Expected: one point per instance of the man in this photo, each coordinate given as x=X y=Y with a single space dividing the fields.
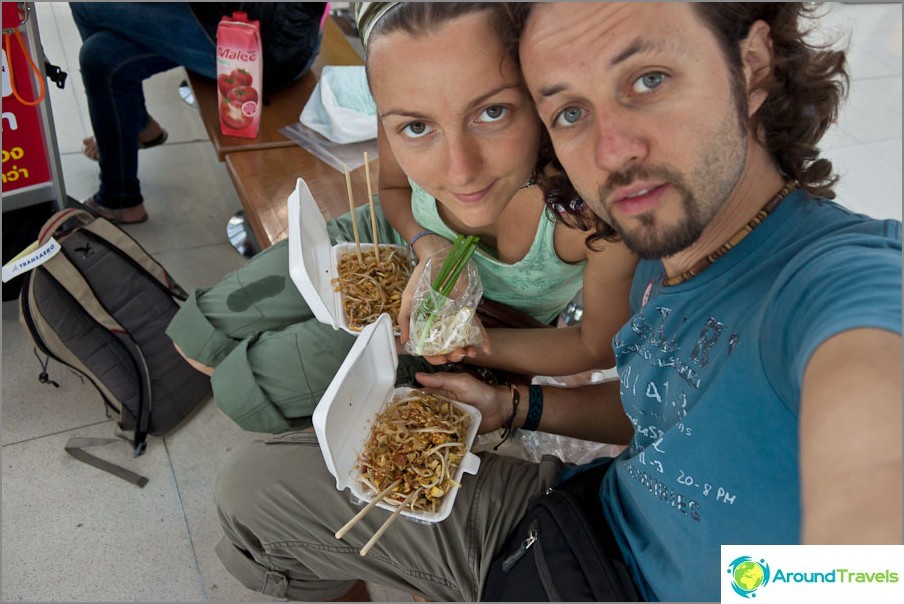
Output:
x=677 y=125
x=761 y=370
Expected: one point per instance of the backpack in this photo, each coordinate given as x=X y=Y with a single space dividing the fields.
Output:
x=100 y=306
x=561 y=550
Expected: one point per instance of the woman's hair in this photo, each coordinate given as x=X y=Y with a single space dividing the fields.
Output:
x=804 y=93
x=421 y=18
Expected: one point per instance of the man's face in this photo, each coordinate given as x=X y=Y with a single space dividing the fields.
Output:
x=642 y=110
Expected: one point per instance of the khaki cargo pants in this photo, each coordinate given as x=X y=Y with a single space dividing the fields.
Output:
x=279 y=508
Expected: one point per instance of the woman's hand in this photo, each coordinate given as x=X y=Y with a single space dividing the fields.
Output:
x=407 y=298
x=493 y=402
x=459 y=354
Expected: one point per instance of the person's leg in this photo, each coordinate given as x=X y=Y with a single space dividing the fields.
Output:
x=113 y=69
x=169 y=29
x=272 y=360
x=279 y=509
x=123 y=44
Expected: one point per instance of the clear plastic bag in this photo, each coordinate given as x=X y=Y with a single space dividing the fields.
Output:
x=441 y=324
x=533 y=445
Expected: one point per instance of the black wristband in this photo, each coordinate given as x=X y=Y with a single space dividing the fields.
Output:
x=535 y=408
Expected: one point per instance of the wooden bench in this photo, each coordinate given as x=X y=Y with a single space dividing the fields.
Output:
x=264 y=169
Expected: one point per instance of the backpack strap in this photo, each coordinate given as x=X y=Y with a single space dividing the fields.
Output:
x=55 y=223
x=76 y=447
x=67 y=275
x=117 y=238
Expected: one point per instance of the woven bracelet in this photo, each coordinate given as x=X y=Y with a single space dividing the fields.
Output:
x=507 y=428
x=535 y=408
x=418 y=236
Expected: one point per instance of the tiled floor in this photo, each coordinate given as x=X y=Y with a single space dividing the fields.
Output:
x=72 y=533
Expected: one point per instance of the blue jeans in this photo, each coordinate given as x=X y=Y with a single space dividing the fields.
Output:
x=123 y=44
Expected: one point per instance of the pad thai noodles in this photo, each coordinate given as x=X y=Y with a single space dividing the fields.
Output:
x=419 y=440
x=372 y=288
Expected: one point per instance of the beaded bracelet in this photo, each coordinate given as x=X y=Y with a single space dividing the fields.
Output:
x=507 y=428
x=418 y=236
x=535 y=408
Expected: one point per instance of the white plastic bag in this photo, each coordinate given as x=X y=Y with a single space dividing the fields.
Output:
x=340 y=107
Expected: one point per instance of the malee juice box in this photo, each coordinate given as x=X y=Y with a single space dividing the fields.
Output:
x=239 y=75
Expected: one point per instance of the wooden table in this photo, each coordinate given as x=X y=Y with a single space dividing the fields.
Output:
x=265 y=178
x=284 y=106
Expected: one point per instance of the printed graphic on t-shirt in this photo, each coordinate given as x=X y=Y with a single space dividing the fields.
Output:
x=659 y=387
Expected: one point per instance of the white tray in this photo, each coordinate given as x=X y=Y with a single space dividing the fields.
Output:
x=346 y=412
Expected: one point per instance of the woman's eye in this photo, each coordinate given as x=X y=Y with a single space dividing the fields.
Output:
x=493 y=113
x=416 y=129
x=568 y=117
x=648 y=81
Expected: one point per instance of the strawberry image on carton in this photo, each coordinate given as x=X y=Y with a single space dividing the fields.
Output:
x=239 y=75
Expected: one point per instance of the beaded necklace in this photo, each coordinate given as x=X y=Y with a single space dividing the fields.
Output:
x=734 y=239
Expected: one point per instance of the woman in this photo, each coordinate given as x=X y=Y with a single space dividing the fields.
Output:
x=459 y=145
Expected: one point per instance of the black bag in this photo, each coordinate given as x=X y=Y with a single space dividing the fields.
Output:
x=100 y=306
x=560 y=553
x=290 y=34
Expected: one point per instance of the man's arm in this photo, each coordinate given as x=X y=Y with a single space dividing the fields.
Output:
x=850 y=440
x=592 y=412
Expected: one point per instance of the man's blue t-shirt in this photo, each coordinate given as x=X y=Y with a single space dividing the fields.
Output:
x=711 y=374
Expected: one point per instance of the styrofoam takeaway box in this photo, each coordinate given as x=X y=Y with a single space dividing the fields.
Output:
x=346 y=412
x=314 y=260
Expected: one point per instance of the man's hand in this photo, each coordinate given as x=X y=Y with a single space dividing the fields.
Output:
x=493 y=402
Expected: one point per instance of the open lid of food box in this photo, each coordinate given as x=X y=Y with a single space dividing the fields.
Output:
x=311 y=257
x=345 y=414
x=346 y=410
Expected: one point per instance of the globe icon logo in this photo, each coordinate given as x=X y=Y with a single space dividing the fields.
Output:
x=748 y=575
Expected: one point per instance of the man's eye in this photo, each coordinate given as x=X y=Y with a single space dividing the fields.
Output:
x=416 y=129
x=568 y=117
x=648 y=81
x=493 y=113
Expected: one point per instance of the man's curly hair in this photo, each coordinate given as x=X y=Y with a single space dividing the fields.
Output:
x=804 y=93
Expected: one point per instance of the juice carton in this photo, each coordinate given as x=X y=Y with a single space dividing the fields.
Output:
x=239 y=75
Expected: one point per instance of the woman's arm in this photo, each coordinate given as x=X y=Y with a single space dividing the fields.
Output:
x=566 y=351
x=395 y=201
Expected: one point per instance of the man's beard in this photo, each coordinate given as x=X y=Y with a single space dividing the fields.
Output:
x=701 y=195
x=652 y=240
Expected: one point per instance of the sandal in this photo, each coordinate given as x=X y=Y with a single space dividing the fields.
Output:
x=112 y=215
x=89 y=145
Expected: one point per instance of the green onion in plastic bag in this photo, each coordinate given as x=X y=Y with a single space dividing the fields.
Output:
x=440 y=324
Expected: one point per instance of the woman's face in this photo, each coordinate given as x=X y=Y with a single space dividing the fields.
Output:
x=455 y=115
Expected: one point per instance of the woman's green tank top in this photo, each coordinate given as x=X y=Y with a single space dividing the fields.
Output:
x=540 y=284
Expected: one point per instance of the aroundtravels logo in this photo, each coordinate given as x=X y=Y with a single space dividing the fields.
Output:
x=748 y=575
x=796 y=573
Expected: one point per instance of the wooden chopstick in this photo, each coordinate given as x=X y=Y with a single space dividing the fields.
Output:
x=389 y=521
x=348 y=525
x=373 y=215
x=351 y=207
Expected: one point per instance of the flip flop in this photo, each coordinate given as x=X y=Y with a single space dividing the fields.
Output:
x=110 y=214
x=92 y=144
x=159 y=140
